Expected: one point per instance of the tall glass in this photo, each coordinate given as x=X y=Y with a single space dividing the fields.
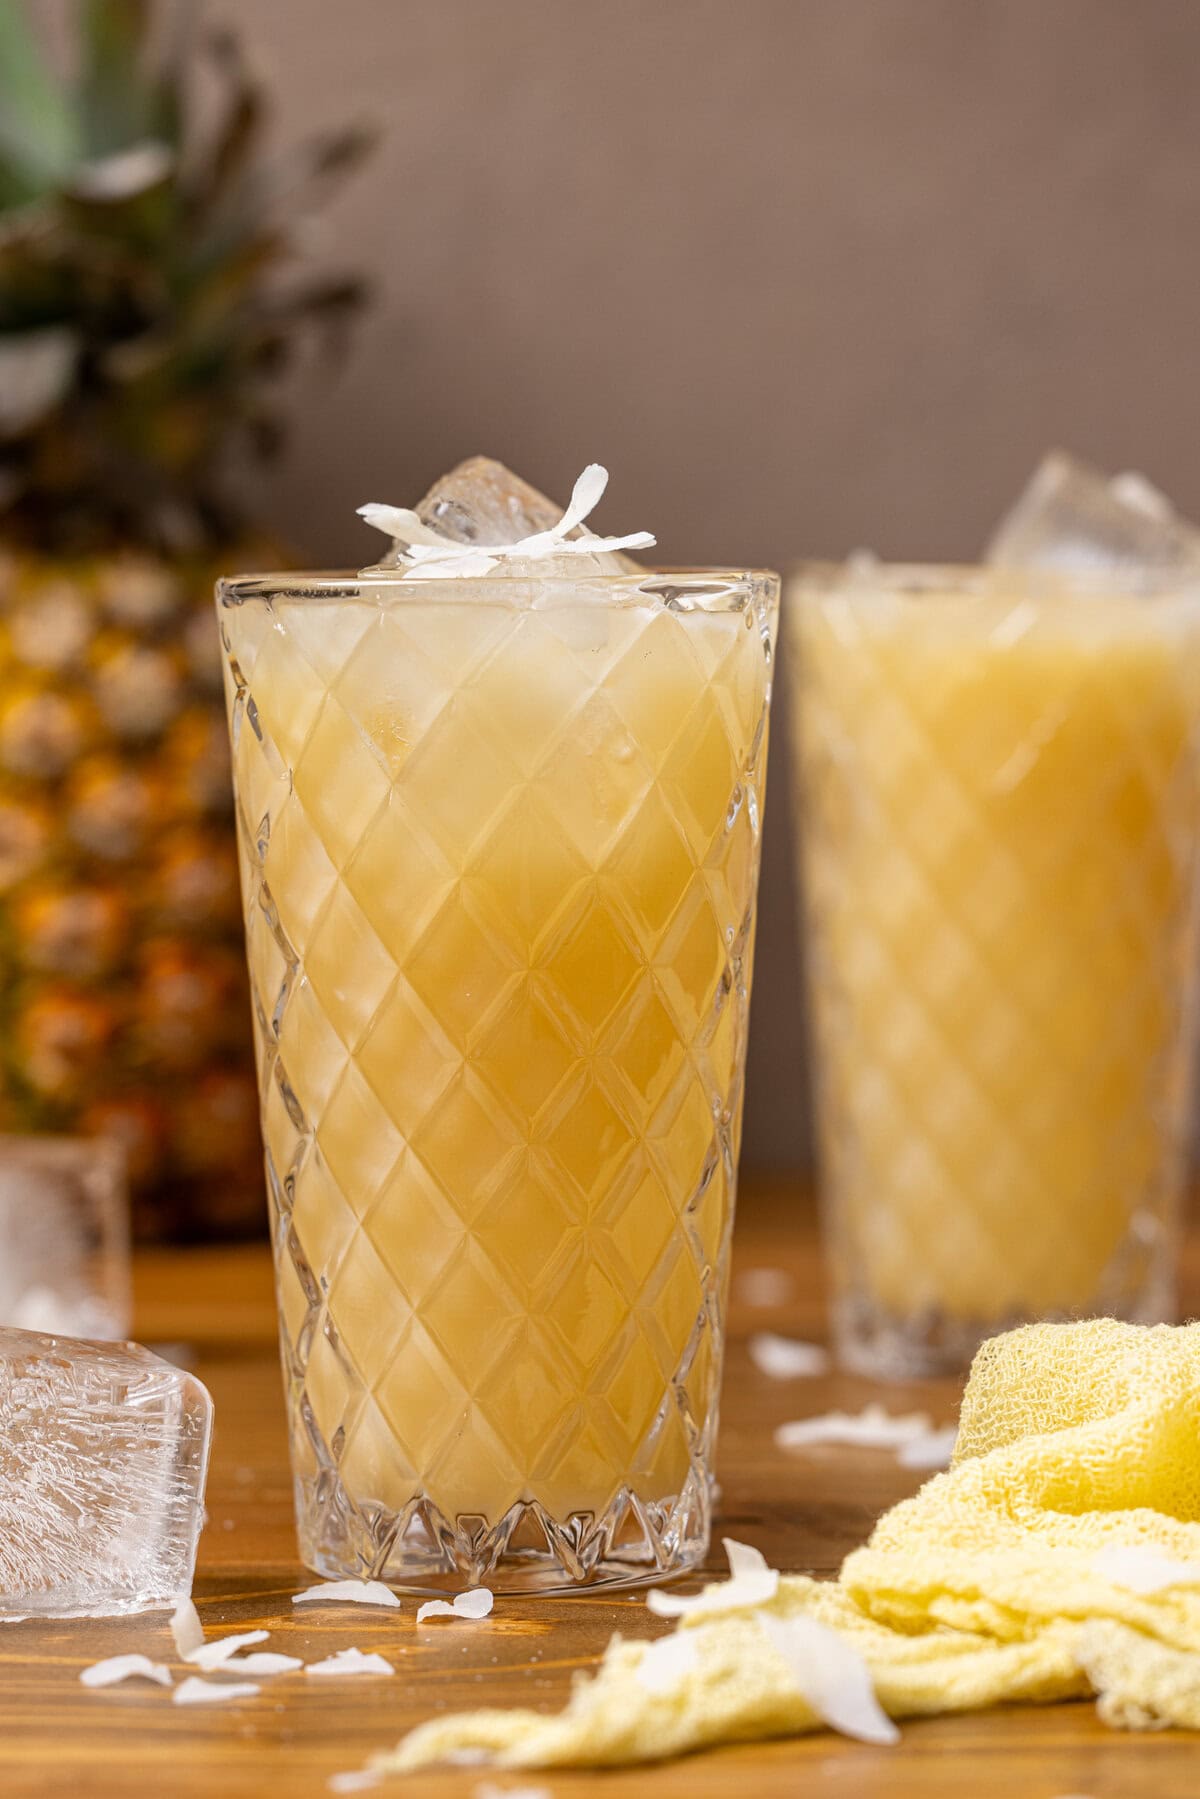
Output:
x=999 y=807
x=500 y=845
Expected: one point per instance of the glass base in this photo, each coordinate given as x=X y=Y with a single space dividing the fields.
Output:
x=930 y=1345
x=635 y=1542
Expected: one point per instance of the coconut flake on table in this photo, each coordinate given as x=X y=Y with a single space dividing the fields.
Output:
x=1142 y=1568
x=929 y=1452
x=764 y=1286
x=215 y=1654
x=354 y=1780
x=872 y=1428
x=196 y=1691
x=487 y=1789
x=266 y=1663
x=667 y=1662
x=832 y=1676
x=357 y=1592
x=126 y=1667
x=476 y=1603
x=350 y=1661
x=751 y=1583
x=785 y=1358
x=186 y=1629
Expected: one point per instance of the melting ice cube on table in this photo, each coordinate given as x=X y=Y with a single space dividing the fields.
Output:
x=64 y=1236
x=103 y=1456
x=1073 y=518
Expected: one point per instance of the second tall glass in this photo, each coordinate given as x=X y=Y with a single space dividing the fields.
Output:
x=500 y=844
x=999 y=808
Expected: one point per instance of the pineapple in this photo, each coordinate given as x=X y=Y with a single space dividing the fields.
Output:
x=143 y=319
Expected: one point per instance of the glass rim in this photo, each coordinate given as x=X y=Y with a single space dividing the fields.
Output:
x=661 y=584
x=876 y=581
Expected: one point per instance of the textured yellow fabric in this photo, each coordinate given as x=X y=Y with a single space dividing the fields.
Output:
x=1074 y=1440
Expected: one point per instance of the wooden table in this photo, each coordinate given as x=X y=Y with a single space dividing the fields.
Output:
x=805 y=1513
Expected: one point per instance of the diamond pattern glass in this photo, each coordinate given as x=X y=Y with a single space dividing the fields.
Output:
x=999 y=786
x=500 y=852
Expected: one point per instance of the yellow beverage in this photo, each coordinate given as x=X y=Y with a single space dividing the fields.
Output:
x=500 y=865
x=999 y=792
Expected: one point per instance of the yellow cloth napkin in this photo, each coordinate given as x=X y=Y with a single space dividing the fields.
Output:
x=1014 y=1576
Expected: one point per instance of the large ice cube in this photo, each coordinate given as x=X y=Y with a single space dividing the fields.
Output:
x=64 y=1236
x=480 y=503
x=1072 y=517
x=103 y=1456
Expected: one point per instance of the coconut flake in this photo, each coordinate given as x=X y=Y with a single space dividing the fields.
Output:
x=929 y=1452
x=872 y=1428
x=427 y=552
x=667 y=1663
x=126 y=1667
x=357 y=1592
x=355 y=1780
x=783 y=1358
x=1141 y=1568
x=195 y=1691
x=477 y=1602
x=751 y=1583
x=764 y=1286
x=832 y=1676
x=350 y=1661
x=186 y=1629
x=215 y=1655
x=266 y=1663
x=487 y=1789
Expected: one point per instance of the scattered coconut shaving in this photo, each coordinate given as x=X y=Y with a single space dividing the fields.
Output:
x=477 y=1602
x=350 y=1661
x=357 y=1592
x=751 y=1582
x=195 y=1691
x=1140 y=1568
x=487 y=1789
x=215 y=1655
x=186 y=1629
x=126 y=1667
x=832 y=1676
x=764 y=1286
x=265 y=1663
x=872 y=1428
x=931 y=1452
x=667 y=1662
x=783 y=1358
x=355 y=1780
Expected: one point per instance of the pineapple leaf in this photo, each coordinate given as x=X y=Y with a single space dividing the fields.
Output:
x=36 y=370
x=119 y=101
x=39 y=135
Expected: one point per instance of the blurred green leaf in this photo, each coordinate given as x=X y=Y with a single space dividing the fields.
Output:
x=116 y=100
x=39 y=134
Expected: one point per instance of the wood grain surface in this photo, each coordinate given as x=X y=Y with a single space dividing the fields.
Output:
x=57 y=1738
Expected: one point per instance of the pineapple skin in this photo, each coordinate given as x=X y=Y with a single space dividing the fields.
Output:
x=124 y=1007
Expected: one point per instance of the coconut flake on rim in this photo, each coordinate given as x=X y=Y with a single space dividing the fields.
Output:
x=427 y=552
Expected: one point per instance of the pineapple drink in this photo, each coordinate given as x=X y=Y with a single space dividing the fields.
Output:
x=500 y=841
x=999 y=787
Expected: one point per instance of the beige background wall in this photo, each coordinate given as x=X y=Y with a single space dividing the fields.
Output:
x=806 y=274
